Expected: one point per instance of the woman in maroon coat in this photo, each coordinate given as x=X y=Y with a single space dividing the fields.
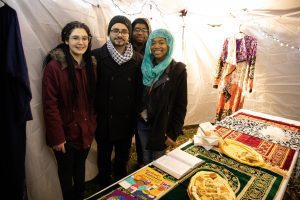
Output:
x=68 y=93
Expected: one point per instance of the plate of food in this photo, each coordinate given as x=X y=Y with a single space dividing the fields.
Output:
x=205 y=185
x=241 y=152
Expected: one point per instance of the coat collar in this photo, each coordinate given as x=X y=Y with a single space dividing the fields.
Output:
x=164 y=78
x=58 y=55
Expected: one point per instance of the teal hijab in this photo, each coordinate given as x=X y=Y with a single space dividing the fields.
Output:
x=151 y=72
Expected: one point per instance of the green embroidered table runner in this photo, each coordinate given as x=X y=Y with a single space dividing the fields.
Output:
x=251 y=183
x=246 y=181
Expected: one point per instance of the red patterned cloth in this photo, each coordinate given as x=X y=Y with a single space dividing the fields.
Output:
x=274 y=154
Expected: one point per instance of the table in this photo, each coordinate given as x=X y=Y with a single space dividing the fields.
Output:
x=288 y=124
x=277 y=180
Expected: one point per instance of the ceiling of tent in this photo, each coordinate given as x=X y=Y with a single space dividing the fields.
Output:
x=204 y=7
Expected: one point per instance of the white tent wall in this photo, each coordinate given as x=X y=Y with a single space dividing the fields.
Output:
x=277 y=73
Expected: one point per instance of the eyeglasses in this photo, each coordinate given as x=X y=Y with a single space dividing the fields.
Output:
x=83 y=38
x=117 y=32
x=143 y=30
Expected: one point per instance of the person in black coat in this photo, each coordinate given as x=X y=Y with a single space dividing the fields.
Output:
x=119 y=77
x=141 y=29
x=164 y=100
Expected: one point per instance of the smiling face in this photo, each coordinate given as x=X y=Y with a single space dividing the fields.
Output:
x=159 y=49
x=140 y=33
x=78 y=42
x=119 y=35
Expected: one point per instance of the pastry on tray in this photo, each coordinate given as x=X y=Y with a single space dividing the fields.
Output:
x=241 y=152
x=208 y=185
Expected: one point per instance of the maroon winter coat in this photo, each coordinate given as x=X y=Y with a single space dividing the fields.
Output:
x=62 y=121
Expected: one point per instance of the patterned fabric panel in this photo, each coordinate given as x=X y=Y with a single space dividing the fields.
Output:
x=280 y=124
x=257 y=128
x=273 y=154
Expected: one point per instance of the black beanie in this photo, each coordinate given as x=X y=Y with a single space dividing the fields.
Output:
x=120 y=19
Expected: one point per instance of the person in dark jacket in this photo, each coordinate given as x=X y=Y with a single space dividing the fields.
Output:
x=119 y=77
x=141 y=29
x=68 y=93
x=164 y=101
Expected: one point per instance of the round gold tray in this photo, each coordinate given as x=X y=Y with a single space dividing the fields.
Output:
x=241 y=152
x=207 y=185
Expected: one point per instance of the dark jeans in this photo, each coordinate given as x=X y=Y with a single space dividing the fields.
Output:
x=105 y=148
x=144 y=132
x=139 y=150
x=71 y=168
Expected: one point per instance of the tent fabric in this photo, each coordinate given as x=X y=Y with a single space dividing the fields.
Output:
x=198 y=42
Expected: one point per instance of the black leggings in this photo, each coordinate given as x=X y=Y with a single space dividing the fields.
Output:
x=71 y=168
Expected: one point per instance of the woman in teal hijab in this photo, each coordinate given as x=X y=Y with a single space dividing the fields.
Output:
x=164 y=100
